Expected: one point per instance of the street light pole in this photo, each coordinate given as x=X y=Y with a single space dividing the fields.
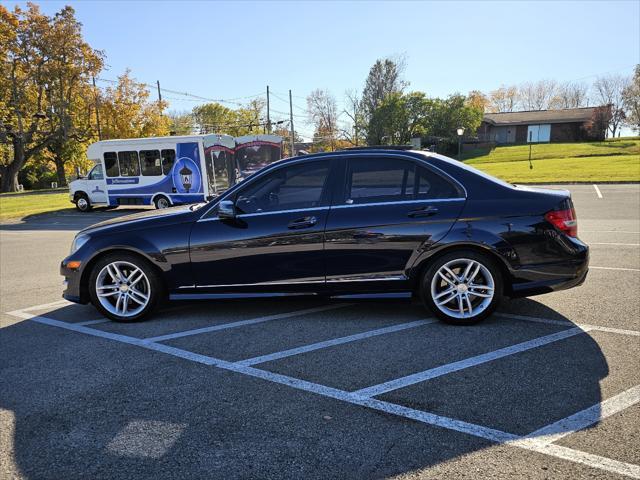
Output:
x=460 y=132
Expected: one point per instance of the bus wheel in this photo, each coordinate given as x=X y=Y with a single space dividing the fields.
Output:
x=161 y=202
x=82 y=202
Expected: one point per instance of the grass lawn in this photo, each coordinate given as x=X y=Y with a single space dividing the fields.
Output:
x=514 y=153
x=18 y=206
x=581 y=169
x=611 y=160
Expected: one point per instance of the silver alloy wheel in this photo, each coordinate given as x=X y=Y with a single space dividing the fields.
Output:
x=462 y=288
x=123 y=289
x=162 y=203
x=82 y=203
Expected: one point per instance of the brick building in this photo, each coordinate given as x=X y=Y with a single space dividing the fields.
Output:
x=568 y=125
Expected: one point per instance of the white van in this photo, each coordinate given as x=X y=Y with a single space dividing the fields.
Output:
x=161 y=171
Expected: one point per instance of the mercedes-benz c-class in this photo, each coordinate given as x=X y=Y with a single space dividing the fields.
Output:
x=360 y=221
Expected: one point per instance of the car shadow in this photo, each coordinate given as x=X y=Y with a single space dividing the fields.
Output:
x=66 y=220
x=77 y=406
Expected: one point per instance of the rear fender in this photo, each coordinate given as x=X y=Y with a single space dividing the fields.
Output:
x=465 y=235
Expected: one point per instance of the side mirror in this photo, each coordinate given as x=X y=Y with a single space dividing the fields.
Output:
x=226 y=210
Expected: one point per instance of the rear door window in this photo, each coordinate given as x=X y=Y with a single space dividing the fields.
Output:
x=376 y=180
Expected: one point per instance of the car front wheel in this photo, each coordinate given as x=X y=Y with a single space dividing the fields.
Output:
x=124 y=287
x=462 y=287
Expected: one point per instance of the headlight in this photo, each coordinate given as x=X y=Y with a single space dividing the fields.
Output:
x=78 y=242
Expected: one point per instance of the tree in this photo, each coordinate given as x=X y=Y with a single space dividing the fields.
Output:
x=402 y=117
x=353 y=130
x=537 y=95
x=45 y=72
x=609 y=91
x=504 y=99
x=323 y=115
x=181 y=123
x=214 y=118
x=478 y=100
x=126 y=112
x=385 y=78
x=570 y=95
x=631 y=101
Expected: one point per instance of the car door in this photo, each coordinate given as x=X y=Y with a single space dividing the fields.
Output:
x=276 y=241
x=96 y=186
x=388 y=209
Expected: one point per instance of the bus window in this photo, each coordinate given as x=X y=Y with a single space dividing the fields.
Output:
x=150 y=163
x=168 y=159
x=111 y=164
x=129 y=166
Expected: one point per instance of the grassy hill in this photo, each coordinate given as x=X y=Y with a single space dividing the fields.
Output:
x=612 y=160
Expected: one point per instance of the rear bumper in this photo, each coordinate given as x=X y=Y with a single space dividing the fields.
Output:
x=551 y=277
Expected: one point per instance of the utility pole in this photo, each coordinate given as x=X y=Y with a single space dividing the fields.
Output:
x=159 y=97
x=97 y=108
x=268 y=115
x=291 y=123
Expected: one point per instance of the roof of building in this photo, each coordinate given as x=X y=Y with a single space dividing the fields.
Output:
x=540 y=116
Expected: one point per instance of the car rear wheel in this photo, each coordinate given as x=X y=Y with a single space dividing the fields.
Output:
x=462 y=287
x=124 y=287
x=82 y=202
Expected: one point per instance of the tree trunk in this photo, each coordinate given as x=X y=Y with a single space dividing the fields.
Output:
x=62 y=180
x=10 y=172
x=9 y=178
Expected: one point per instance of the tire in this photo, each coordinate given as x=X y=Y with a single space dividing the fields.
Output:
x=148 y=287
x=449 y=298
x=82 y=202
x=161 y=202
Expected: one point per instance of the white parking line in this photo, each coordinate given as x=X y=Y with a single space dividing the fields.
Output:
x=599 y=328
x=480 y=431
x=242 y=323
x=598 y=192
x=414 y=378
x=587 y=417
x=620 y=269
x=609 y=231
x=94 y=322
x=616 y=244
x=44 y=306
x=331 y=343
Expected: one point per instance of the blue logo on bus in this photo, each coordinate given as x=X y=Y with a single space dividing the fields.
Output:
x=186 y=176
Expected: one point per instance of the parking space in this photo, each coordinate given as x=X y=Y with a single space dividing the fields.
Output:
x=303 y=388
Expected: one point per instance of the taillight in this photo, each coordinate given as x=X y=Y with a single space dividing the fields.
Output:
x=564 y=220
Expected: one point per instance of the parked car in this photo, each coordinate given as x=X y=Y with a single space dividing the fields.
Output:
x=360 y=221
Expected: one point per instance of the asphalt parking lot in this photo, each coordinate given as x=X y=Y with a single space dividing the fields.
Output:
x=548 y=387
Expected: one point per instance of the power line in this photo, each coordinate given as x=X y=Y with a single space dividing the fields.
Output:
x=190 y=95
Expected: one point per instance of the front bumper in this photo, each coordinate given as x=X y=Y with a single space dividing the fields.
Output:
x=72 y=283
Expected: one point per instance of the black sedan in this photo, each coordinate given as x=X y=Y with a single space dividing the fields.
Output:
x=361 y=221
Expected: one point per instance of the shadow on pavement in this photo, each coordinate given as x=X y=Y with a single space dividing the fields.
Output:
x=87 y=407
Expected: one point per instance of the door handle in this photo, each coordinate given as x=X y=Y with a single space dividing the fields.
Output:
x=423 y=212
x=304 y=222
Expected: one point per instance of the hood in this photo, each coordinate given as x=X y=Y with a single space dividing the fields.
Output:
x=167 y=216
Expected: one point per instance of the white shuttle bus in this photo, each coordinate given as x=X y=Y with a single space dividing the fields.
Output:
x=161 y=171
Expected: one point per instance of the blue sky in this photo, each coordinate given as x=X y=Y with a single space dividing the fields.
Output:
x=234 y=49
